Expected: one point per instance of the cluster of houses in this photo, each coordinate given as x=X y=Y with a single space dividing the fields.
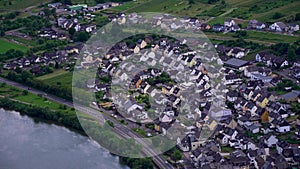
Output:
x=49 y=33
x=230 y=25
x=36 y=63
x=249 y=134
x=74 y=23
x=236 y=52
x=72 y=10
x=277 y=26
x=83 y=7
x=252 y=125
x=252 y=132
x=169 y=22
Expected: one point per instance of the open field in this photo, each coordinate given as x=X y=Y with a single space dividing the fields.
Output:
x=30 y=98
x=5 y=45
x=54 y=74
x=59 y=78
x=242 y=9
x=20 y=4
x=30 y=43
x=255 y=36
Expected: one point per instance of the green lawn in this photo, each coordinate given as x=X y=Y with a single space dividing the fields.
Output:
x=227 y=149
x=23 y=41
x=6 y=45
x=20 y=4
x=56 y=73
x=61 y=78
x=255 y=36
x=15 y=93
x=242 y=9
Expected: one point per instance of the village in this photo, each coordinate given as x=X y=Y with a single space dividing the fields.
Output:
x=259 y=126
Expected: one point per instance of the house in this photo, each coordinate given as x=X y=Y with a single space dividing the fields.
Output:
x=77 y=7
x=239 y=160
x=54 y=5
x=184 y=144
x=257 y=76
x=229 y=23
x=222 y=139
x=291 y=96
x=236 y=64
x=231 y=96
x=270 y=140
x=257 y=70
x=88 y=28
x=218 y=28
x=242 y=120
x=260 y=26
x=298 y=121
x=280 y=62
x=205 y=26
x=262 y=101
x=235 y=28
x=253 y=128
x=283 y=126
x=262 y=56
x=232 y=79
x=236 y=52
x=271 y=60
x=281 y=145
x=90 y=83
x=293 y=27
x=278 y=27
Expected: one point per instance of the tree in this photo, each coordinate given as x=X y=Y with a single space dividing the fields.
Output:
x=2 y=33
x=291 y=56
x=72 y=31
x=297 y=17
x=176 y=155
x=277 y=15
x=191 y=2
x=24 y=92
x=82 y=37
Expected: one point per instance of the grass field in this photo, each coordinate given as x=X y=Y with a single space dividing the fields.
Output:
x=60 y=77
x=30 y=43
x=5 y=45
x=255 y=36
x=242 y=9
x=56 y=73
x=20 y=4
x=30 y=98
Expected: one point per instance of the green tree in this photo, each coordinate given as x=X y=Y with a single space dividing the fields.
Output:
x=191 y=2
x=176 y=155
x=72 y=31
x=297 y=17
x=291 y=56
x=277 y=15
x=82 y=37
x=24 y=92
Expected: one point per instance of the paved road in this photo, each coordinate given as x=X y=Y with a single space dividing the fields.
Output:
x=121 y=130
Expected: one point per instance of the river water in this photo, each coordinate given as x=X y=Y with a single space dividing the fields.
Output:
x=25 y=144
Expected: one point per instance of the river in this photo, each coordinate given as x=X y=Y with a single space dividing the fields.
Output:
x=26 y=144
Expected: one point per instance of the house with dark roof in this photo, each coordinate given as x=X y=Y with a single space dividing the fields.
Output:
x=218 y=28
x=293 y=27
x=236 y=64
x=278 y=27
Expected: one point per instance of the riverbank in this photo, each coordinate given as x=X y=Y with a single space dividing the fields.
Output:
x=26 y=143
x=51 y=111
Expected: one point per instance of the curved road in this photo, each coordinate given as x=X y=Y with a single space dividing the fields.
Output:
x=119 y=129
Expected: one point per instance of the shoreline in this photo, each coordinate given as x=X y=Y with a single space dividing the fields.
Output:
x=50 y=122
